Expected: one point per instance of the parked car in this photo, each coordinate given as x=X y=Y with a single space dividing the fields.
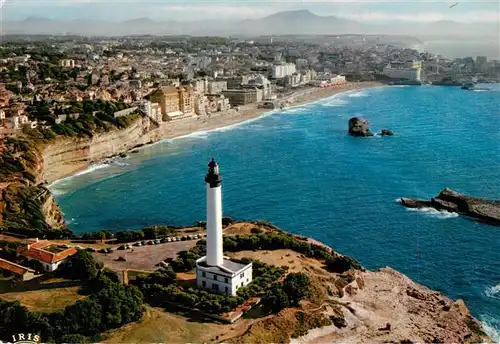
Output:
x=109 y=250
x=144 y=242
x=122 y=247
x=103 y=250
x=157 y=241
x=164 y=240
x=137 y=244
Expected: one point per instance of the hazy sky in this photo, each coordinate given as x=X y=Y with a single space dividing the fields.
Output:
x=187 y=10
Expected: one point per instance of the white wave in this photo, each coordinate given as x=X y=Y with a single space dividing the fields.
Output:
x=294 y=110
x=491 y=326
x=120 y=163
x=400 y=86
x=357 y=94
x=435 y=213
x=204 y=133
x=57 y=192
x=197 y=134
x=493 y=292
x=91 y=168
x=336 y=102
x=480 y=90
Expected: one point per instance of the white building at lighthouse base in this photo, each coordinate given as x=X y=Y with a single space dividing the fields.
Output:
x=226 y=278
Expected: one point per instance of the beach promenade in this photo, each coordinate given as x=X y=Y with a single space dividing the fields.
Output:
x=169 y=130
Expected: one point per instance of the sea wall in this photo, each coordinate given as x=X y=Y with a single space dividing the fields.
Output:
x=67 y=156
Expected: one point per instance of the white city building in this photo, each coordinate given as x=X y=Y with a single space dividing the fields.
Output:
x=215 y=272
x=282 y=70
x=410 y=71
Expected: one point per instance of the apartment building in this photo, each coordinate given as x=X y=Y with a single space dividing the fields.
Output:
x=243 y=96
x=168 y=99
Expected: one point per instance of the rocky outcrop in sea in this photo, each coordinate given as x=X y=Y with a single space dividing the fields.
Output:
x=483 y=210
x=359 y=127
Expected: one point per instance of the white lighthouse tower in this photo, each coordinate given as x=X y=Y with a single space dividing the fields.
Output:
x=214 y=215
x=214 y=271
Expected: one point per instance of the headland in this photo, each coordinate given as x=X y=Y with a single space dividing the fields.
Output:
x=302 y=292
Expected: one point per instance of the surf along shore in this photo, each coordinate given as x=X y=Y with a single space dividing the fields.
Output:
x=66 y=159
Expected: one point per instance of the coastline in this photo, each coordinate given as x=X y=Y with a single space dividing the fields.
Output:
x=217 y=121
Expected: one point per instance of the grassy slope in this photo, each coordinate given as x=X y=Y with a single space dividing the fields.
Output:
x=157 y=326
x=43 y=296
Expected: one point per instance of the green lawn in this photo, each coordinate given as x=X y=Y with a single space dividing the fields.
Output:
x=42 y=296
x=157 y=326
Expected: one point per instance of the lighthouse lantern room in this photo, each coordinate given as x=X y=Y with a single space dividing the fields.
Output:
x=215 y=272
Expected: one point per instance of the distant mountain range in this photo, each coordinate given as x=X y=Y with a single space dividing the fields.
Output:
x=301 y=22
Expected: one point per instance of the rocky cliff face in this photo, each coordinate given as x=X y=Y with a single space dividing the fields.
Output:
x=66 y=156
x=26 y=206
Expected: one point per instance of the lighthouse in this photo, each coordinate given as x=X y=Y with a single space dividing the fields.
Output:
x=215 y=272
x=214 y=215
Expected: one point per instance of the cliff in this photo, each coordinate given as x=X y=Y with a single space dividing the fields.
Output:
x=28 y=164
x=26 y=206
x=65 y=156
x=386 y=306
x=354 y=305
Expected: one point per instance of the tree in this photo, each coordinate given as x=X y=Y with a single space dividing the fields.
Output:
x=13 y=88
x=296 y=286
x=163 y=276
x=276 y=299
x=129 y=236
x=82 y=266
x=74 y=338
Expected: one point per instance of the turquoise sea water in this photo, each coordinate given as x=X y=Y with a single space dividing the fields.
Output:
x=299 y=170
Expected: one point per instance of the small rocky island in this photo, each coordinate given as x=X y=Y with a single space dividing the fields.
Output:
x=359 y=127
x=483 y=210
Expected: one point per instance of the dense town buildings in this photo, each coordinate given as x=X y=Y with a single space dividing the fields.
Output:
x=184 y=77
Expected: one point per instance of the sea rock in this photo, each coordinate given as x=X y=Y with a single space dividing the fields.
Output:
x=359 y=127
x=386 y=132
x=483 y=210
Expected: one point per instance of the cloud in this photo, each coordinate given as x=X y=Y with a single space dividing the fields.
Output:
x=221 y=11
x=360 y=10
x=462 y=17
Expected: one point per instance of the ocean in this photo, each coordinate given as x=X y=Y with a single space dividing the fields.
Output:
x=299 y=170
x=453 y=48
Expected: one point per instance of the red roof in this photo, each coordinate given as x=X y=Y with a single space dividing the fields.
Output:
x=13 y=267
x=36 y=251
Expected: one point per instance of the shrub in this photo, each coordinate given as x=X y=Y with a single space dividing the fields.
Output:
x=275 y=299
x=81 y=266
x=296 y=286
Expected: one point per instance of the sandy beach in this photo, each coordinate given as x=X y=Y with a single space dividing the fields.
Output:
x=169 y=130
x=69 y=157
